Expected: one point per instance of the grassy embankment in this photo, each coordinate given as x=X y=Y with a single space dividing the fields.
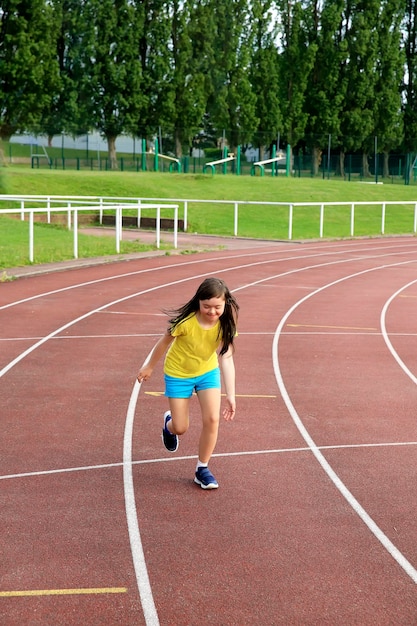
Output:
x=54 y=243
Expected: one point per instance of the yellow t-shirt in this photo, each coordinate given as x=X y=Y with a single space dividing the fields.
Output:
x=193 y=351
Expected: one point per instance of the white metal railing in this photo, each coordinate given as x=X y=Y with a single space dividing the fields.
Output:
x=237 y=204
x=74 y=204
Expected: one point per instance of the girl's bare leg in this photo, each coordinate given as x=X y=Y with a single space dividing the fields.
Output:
x=179 y=408
x=210 y=412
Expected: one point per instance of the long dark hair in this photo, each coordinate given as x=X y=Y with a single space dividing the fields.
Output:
x=211 y=288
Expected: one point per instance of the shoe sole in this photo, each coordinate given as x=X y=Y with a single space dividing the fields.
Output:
x=203 y=486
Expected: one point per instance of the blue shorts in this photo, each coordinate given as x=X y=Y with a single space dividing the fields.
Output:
x=184 y=387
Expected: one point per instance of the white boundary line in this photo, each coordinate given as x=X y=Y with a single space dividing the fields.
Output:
x=350 y=498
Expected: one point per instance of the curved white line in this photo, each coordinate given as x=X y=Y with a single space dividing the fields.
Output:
x=350 y=498
x=385 y=334
x=141 y=571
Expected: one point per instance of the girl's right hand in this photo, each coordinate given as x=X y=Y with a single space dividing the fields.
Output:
x=144 y=374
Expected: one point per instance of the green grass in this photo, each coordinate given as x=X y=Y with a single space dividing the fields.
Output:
x=54 y=243
x=254 y=221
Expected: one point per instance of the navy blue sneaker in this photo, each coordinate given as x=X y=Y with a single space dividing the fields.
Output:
x=170 y=441
x=205 y=478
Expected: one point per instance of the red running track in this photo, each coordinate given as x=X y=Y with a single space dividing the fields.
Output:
x=315 y=518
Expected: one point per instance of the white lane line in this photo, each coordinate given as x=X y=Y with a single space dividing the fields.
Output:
x=139 y=563
x=385 y=334
x=328 y=250
x=58 y=331
x=134 y=273
x=350 y=498
x=239 y=453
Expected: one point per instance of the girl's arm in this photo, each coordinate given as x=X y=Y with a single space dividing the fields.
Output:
x=227 y=367
x=159 y=350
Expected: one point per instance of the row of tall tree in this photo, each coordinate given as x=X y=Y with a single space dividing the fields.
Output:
x=303 y=71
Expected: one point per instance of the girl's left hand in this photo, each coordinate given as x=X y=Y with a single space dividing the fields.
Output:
x=230 y=410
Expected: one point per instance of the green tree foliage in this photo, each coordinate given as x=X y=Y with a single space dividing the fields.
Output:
x=232 y=100
x=29 y=76
x=325 y=93
x=157 y=67
x=250 y=70
x=410 y=79
x=69 y=109
x=114 y=70
x=358 y=76
x=192 y=54
x=388 y=118
x=296 y=63
x=264 y=74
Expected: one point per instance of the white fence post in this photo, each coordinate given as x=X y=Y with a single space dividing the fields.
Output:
x=290 y=217
x=75 y=233
x=321 y=220
x=383 y=219
x=139 y=214
x=31 y=246
x=117 y=224
x=352 y=219
x=236 y=218
x=176 y=227
x=158 y=227
x=185 y=216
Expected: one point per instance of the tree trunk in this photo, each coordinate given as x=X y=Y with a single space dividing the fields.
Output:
x=6 y=131
x=316 y=160
x=178 y=144
x=365 y=166
x=342 y=163
x=385 y=170
x=111 y=143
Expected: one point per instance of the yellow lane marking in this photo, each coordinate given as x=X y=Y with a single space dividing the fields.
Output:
x=243 y=395
x=61 y=592
x=332 y=327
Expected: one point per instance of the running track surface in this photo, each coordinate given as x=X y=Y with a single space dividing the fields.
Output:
x=315 y=518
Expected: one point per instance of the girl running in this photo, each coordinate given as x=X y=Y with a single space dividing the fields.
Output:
x=199 y=346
